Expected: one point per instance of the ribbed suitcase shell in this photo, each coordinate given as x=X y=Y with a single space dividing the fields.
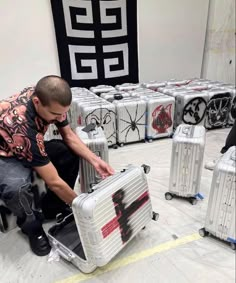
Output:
x=97 y=143
x=108 y=219
x=186 y=160
x=131 y=119
x=154 y=85
x=220 y=217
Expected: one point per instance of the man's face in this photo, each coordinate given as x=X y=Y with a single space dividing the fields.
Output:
x=52 y=113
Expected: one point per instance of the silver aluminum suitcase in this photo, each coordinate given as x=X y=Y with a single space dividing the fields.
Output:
x=105 y=220
x=131 y=120
x=96 y=141
x=220 y=217
x=186 y=162
x=218 y=108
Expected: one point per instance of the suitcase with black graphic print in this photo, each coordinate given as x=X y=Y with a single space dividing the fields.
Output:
x=96 y=141
x=191 y=108
x=131 y=120
x=105 y=221
x=220 y=216
x=218 y=108
x=186 y=162
x=102 y=114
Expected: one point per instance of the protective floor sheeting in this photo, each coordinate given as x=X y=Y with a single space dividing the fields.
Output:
x=167 y=251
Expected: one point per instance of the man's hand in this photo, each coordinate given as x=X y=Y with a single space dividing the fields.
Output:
x=103 y=169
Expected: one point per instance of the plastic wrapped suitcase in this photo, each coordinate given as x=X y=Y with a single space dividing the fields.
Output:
x=105 y=220
x=220 y=216
x=186 y=162
x=96 y=141
x=131 y=120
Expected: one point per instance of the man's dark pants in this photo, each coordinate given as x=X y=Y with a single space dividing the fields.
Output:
x=18 y=194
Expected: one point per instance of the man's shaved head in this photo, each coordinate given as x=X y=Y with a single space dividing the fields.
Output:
x=53 y=89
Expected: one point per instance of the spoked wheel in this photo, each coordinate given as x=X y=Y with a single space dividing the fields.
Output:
x=168 y=196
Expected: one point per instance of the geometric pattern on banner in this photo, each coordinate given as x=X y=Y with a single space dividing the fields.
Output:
x=96 y=41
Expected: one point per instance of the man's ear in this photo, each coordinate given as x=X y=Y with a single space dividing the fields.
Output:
x=35 y=100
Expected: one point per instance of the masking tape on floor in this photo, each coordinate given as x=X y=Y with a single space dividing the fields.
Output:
x=132 y=258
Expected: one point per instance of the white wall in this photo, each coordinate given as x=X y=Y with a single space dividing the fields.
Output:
x=219 y=55
x=171 y=36
x=28 y=46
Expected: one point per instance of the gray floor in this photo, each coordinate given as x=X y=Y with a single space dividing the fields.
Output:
x=169 y=250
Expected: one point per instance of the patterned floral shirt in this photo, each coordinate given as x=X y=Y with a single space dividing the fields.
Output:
x=22 y=130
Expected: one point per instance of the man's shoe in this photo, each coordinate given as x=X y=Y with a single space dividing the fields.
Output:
x=39 y=244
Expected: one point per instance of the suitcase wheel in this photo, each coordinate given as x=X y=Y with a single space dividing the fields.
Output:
x=233 y=246
x=146 y=168
x=115 y=146
x=203 y=232
x=193 y=201
x=155 y=216
x=168 y=196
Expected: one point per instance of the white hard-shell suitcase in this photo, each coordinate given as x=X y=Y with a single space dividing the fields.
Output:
x=186 y=162
x=127 y=86
x=105 y=220
x=220 y=216
x=96 y=141
x=131 y=120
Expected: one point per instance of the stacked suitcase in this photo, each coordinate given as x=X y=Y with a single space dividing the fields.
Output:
x=105 y=221
x=220 y=217
x=131 y=120
x=186 y=162
x=89 y=108
x=96 y=141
